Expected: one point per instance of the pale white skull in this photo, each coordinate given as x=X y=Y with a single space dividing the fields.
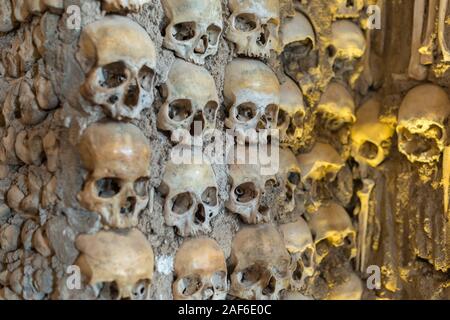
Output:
x=331 y=225
x=351 y=289
x=123 y=5
x=248 y=185
x=347 y=40
x=122 y=259
x=200 y=271
x=297 y=29
x=190 y=96
x=191 y=193
x=195 y=28
x=254 y=27
x=421 y=128
x=291 y=115
x=252 y=95
x=290 y=175
x=119 y=60
x=260 y=264
x=117 y=156
x=371 y=137
x=300 y=245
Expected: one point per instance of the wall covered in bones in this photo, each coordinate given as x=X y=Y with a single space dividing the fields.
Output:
x=94 y=94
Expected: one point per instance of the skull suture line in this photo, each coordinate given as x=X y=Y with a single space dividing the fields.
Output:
x=421 y=128
x=254 y=27
x=119 y=60
x=188 y=98
x=195 y=28
x=117 y=156
x=201 y=271
x=261 y=265
x=252 y=95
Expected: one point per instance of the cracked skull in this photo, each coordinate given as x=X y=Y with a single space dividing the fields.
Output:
x=371 y=137
x=421 y=129
x=260 y=264
x=201 y=271
x=117 y=156
x=254 y=26
x=119 y=60
x=191 y=193
x=122 y=259
x=252 y=95
x=189 y=99
x=300 y=245
x=194 y=29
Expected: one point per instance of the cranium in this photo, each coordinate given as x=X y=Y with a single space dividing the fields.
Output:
x=291 y=115
x=252 y=95
x=188 y=99
x=350 y=289
x=195 y=28
x=331 y=225
x=421 y=129
x=371 y=138
x=300 y=245
x=201 y=271
x=191 y=193
x=247 y=186
x=117 y=156
x=124 y=259
x=290 y=176
x=260 y=264
x=347 y=40
x=23 y=9
x=123 y=5
x=254 y=26
x=119 y=60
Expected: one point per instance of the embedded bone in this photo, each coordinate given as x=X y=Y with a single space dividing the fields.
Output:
x=123 y=5
x=254 y=27
x=41 y=243
x=26 y=234
x=9 y=237
x=6 y=16
x=119 y=60
x=347 y=40
x=117 y=157
x=421 y=129
x=49 y=197
x=124 y=258
x=188 y=99
x=191 y=33
x=371 y=137
x=200 y=271
x=297 y=28
x=350 y=289
x=24 y=9
x=416 y=70
x=191 y=193
x=331 y=225
x=45 y=95
x=446 y=177
x=13 y=197
x=28 y=147
x=28 y=107
x=290 y=174
x=252 y=96
x=427 y=48
x=7 y=150
x=443 y=5
x=291 y=114
x=260 y=264
x=300 y=245
x=51 y=149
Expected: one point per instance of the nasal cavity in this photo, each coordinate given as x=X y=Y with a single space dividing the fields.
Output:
x=202 y=45
x=263 y=36
x=129 y=206
x=198 y=124
x=200 y=216
x=132 y=95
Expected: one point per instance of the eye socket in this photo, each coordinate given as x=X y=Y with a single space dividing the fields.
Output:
x=184 y=31
x=249 y=276
x=368 y=150
x=141 y=186
x=294 y=178
x=146 y=77
x=245 y=22
x=213 y=32
x=297 y=120
x=113 y=75
x=180 y=109
x=182 y=203
x=210 y=111
x=245 y=192
x=189 y=285
x=107 y=187
x=219 y=280
x=209 y=196
x=246 y=111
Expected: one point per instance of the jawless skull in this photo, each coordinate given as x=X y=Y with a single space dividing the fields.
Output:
x=119 y=60
x=421 y=126
x=195 y=28
x=117 y=157
x=254 y=27
x=200 y=271
x=260 y=264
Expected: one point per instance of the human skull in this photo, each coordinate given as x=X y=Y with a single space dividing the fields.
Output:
x=123 y=5
x=300 y=245
x=191 y=193
x=347 y=40
x=247 y=186
x=200 y=271
x=194 y=29
x=421 y=129
x=117 y=156
x=371 y=137
x=290 y=174
x=188 y=99
x=123 y=259
x=252 y=95
x=119 y=60
x=254 y=27
x=23 y=9
x=291 y=115
x=331 y=225
x=260 y=264
x=351 y=289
